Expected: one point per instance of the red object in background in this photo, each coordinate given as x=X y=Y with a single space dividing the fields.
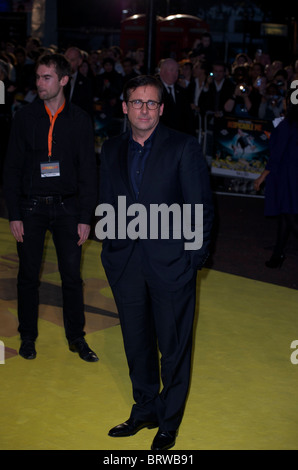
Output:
x=173 y=34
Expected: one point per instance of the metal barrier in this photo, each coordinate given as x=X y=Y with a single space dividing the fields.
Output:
x=208 y=136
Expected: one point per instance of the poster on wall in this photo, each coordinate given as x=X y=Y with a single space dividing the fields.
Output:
x=240 y=147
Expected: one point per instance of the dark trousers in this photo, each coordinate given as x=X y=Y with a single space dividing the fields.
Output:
x=61 y=219
x=152 y=318
x=287 y=223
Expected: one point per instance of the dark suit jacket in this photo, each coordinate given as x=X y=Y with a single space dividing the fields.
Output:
x=175 y=172
x=82 y=94
x=212 y=100
x=178 y=115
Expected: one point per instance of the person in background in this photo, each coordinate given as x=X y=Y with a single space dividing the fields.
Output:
x=205 y=50
x=239 y=102
x=272 y=103
x=108 y=89
x=281 y=80
x=186 y=79
x=79 y=89
x=217 y=90
x=200 y=74
x=177 y=112
x=281 y=188
x=128 y=69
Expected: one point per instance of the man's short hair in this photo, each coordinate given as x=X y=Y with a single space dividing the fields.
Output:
x=142 y=80
x=62 y=65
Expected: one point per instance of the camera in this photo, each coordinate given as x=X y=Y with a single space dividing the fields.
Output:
x=243 y=88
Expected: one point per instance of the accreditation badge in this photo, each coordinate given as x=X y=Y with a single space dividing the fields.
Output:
x=49 y=169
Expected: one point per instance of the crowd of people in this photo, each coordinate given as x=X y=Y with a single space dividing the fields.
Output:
x=250 y=86
x=197 y=83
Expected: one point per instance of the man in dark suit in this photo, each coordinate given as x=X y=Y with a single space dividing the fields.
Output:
x=217 y=90
x=156 y=174
x=80 y=90
x=177 y=112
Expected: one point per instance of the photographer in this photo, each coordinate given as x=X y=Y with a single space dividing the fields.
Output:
x=217 y=90
x=241 y=103
x=272 y=104
x=281 y=80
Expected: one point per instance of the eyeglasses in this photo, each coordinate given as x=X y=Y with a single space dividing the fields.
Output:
x=138 y=104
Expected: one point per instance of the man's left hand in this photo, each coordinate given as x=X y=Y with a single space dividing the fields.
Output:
x=83 y=231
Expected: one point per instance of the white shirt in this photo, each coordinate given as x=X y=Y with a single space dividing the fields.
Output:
x=198 y=91
x=170 y=89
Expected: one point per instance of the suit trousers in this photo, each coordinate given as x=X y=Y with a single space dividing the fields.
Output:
x=62 y=221
x=157 y=328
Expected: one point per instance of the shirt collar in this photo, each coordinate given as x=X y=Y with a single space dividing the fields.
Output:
x=147 y=142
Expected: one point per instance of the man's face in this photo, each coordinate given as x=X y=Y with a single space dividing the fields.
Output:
x=47 y=82
x=108 y=67
x=143 y=120
x=206 y=41
x=127 y=67
x=169 y=72
x=74 y=59
x=219 y=72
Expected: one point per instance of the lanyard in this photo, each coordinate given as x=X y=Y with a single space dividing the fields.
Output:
x=52 y=123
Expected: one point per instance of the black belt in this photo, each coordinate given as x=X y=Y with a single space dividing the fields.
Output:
x=56 y=199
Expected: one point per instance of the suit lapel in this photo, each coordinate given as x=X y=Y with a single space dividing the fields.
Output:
x=159 y=143
x=123 y=164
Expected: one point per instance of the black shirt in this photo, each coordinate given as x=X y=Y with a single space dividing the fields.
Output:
x=137 y=157
x=73 y=148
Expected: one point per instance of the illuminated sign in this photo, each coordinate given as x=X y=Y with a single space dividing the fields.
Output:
x=272 y=29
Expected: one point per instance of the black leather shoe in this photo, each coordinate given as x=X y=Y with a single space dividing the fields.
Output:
x=275 y=261
x=131 y=427
x=164 y=440
x=80 y=346
x=27 y=349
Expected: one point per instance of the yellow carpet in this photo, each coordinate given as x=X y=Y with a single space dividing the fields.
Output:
x=243 y=392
